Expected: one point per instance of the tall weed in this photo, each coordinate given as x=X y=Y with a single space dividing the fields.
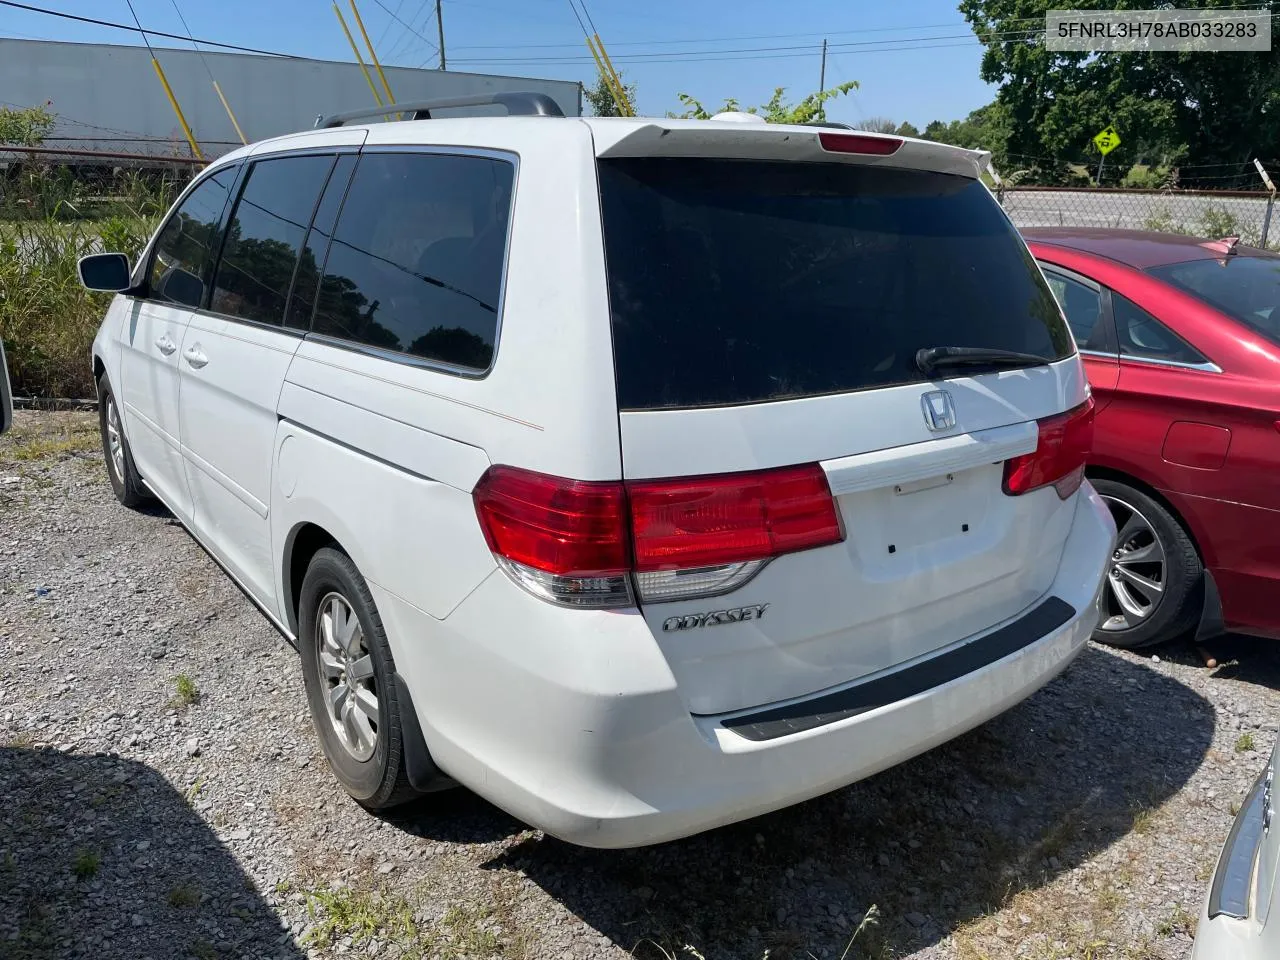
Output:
x=50 y=217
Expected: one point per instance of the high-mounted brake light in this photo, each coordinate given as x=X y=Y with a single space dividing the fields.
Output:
x=859 y=143
x=1064 y=444
x=585 y=543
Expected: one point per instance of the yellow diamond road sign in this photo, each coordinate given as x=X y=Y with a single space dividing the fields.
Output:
x=1107 y=140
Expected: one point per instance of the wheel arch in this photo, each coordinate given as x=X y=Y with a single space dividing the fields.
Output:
x=305 y=540
x=1119 y=476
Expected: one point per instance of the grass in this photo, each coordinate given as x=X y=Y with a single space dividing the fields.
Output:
x=1244 y=743
x=87 y=863
x=360 y=915
x=49 y=218
x=1180 y=921
x=1144 y=819
x=186 y=693
x=468 y=936
x=51 y=437
x=203 y=950
x=184 y=896
x=467 y=932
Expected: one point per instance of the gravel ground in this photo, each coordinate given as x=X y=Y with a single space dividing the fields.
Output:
x=162 y=795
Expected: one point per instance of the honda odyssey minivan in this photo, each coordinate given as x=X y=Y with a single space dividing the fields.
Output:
x=641 y=475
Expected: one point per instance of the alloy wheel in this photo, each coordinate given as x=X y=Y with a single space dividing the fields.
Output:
x=351 y=695
x=115 y=443
x=1137 y=576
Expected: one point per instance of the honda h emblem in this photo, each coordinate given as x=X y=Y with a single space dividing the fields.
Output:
x=939 y=410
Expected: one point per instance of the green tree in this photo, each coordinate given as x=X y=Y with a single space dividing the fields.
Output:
x=1206 y=108
x=600 y=98
x=907 y=129
x=25 y=126
x=877 y=125
x=812 y=108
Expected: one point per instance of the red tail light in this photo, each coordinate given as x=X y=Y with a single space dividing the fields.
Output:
x=577 y=542
x=564 y=527
x=733 y=518
x=859 y=143
x=1064 y=444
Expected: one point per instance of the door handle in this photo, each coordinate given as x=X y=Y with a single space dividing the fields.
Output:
x=165 y=345
x=195 y=356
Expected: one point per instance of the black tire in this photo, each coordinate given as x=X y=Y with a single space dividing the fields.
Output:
x=378 y=781
x=1176 y=611
x=126 y=482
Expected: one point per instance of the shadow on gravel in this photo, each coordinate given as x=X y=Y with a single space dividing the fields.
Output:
x=100 y=857
x=1248 y=660
x=935 y=843
x=454 y=816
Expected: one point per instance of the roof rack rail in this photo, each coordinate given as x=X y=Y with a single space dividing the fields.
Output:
x=517 y=104
x=834 y=125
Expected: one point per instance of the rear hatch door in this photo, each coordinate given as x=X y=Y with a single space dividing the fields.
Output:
x=767 y=313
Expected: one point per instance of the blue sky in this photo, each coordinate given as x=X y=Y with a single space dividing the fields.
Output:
x=916 y=60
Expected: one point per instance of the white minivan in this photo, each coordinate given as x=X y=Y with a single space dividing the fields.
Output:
x=641 y=475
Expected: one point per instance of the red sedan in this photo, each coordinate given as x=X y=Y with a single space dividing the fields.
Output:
x=1181 y=341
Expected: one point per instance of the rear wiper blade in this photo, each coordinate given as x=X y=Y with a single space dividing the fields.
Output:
x=931 y=359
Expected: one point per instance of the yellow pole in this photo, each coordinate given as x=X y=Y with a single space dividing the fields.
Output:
x=356 y=50
x=226 y=106
x=618 y=97
x=617 y=80
x=372 y=53
x=173 y=102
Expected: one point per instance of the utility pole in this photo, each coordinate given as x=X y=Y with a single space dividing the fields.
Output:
x=440 y=30
x=822 y=77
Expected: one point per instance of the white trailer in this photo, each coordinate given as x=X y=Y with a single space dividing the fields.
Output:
x=107 y=97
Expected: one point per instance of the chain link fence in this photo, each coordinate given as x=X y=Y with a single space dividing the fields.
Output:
x=1207 y=213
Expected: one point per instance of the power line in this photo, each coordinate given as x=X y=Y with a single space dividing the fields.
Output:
x=405 y=40
x=178 y=11
x=145 y=33
x=704 y=59
x=397 y=19
x=383 y=35
x=780 y=52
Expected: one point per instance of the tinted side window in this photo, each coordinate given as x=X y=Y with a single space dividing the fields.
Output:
x=1142 y=335
x=184 y=252
x=311 y=261
x=1081 y=304
x=264 y=236
x=416 y=261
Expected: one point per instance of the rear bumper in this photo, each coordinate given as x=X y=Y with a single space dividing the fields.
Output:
x=1233 y=922
x=572 y=721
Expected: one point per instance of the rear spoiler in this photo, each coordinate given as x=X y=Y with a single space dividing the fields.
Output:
x=706 y=138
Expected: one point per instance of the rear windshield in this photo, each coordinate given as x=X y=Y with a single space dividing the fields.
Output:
x=738 y=281
x=1245 y=288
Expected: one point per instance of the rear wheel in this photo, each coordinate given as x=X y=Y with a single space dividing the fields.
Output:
x=126 y=482
x=350 y=679
x=1152 y=592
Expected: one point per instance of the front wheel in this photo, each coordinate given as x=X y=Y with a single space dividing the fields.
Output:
x=1153 y=589
x=126 y=482
x=350 y=679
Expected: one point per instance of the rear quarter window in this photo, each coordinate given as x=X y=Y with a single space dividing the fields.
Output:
x=416 y=262
x=739 y=281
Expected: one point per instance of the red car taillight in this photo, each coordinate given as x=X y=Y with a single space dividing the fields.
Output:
x=1064 y=443
x=579 y=543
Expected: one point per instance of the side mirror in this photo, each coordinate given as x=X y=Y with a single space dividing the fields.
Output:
x=6 y=397
x=179 y=286
x=105 y=271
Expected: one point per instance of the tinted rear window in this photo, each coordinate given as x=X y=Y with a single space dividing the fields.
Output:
x=736 y=281
x=1245 y=288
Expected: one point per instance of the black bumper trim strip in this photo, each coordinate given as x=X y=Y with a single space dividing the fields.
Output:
x=804 y=715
